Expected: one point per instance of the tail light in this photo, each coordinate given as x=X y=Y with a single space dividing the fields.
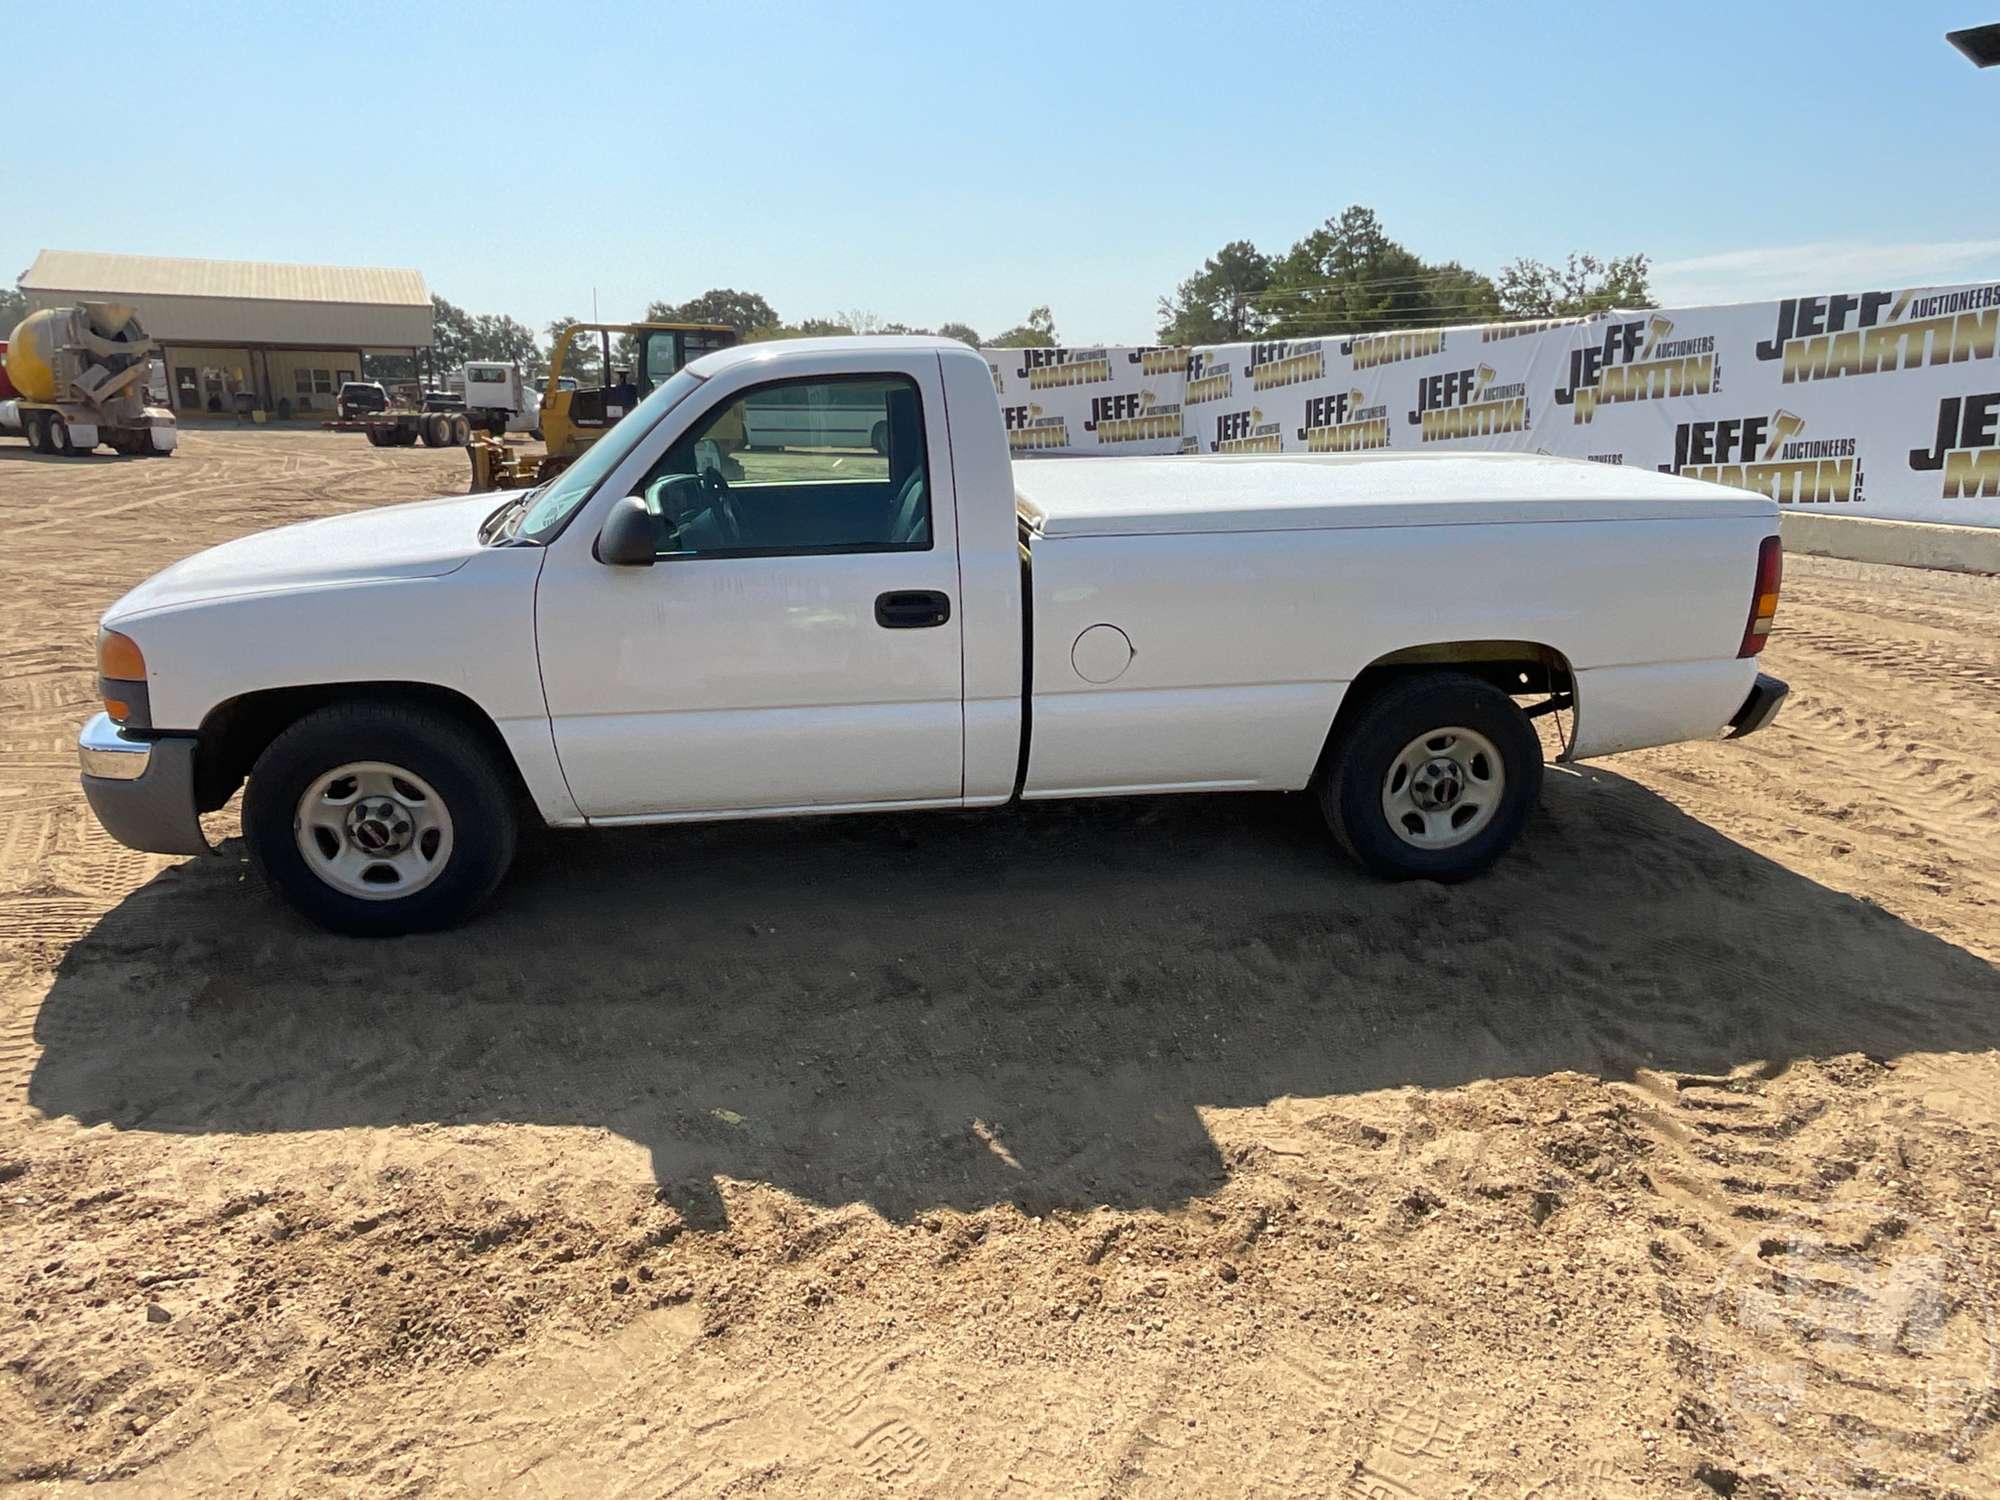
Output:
x=1764 y=597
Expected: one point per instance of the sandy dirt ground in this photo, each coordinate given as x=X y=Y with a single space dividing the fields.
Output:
x=1135 y=1148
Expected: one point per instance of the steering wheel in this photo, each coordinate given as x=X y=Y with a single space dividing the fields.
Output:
x=715 y=489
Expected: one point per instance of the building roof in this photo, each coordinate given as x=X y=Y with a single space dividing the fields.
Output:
x=224 y=301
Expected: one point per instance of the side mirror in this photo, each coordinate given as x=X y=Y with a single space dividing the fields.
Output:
x=628 y=539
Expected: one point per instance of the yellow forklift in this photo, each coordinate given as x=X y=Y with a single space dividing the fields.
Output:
x=574 y=416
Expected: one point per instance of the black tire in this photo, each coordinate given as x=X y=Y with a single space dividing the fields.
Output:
x=434 y=746
x=57 y=438
x=461 y=431
x=35 y=430
x=1357 y=773
x=375 y=438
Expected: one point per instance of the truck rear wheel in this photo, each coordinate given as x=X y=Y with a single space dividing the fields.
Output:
x=35 y=429
x=57 y=431
x=375 y=436
x=1433 y=778
x=376 y=819
x=461 y=431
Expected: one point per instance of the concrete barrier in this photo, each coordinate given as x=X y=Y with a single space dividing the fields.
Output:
x=1910 y=544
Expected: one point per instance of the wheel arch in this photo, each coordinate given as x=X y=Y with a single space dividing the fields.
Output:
x=1517 y=668
x=238 y=730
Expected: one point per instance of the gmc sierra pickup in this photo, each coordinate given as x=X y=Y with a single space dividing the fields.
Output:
x=731 y=608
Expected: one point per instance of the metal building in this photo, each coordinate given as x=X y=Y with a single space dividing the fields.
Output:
x=238 y=335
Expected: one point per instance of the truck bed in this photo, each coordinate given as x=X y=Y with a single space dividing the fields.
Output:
x=1314 y=492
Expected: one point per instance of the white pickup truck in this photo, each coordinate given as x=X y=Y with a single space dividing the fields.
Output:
x=689 y=624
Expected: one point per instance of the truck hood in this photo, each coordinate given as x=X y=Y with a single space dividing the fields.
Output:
x=424 y=540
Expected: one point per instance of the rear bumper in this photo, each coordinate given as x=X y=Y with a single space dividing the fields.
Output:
x=1760 y=708
x=142 y=791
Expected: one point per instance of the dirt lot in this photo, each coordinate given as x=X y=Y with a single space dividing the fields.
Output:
x=1140 y=1147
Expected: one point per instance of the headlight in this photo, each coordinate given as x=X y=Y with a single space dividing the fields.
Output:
x=121 y=678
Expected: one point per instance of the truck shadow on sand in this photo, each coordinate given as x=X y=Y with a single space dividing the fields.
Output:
x=961 y=1010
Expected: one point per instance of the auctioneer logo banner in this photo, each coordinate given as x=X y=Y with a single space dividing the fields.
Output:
x=1637 y=359
x=1771 y=454
x=1875 y=333
x=1468 y=403
x=1344 y=423
x=1885 y=401
x=1965 y=452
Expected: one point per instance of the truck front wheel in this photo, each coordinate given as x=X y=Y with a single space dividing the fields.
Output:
x=379 y=819
x=1433 y=778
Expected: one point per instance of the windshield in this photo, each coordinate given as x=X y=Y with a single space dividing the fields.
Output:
x=558 y=499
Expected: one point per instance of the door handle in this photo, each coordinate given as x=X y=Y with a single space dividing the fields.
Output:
x=911 y=609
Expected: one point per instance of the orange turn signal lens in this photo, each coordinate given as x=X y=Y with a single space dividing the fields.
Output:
x=119 y=657
x=118 y=710
x=1763 y=596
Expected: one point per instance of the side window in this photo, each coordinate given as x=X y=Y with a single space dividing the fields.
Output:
x=836 y=464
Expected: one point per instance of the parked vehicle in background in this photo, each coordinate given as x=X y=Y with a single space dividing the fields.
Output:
x=498 y=399
x=441 y=423
x=687 y=625
x=76 y=377
x=359 y=398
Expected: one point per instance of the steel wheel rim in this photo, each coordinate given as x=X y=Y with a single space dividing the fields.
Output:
x=1444 y=788
x=373 y=831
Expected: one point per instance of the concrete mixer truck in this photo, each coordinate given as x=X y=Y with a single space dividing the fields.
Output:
x=75 y=377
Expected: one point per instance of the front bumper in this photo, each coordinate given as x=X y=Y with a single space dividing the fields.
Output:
x=1760 y=708
x=141 y=790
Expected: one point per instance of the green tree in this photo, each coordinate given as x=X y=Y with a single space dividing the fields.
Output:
x=746 y=312
x=960 y=331
x=1348 y=276
x=451 y=334
x=496 y=336
x=805 y=328
x=1585 y=284
x=1218 y=304
x=13 y=308
x=1037 y=331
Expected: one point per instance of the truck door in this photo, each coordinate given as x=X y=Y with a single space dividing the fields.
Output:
x=796 y=643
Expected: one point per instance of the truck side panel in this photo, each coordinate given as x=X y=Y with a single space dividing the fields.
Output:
x=1242 y=644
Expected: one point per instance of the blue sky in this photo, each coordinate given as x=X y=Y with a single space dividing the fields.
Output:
x=931 y=162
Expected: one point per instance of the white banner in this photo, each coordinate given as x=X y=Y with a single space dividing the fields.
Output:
x=1877 y=403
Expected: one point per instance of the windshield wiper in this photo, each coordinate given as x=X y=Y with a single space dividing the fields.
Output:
x=503 y=526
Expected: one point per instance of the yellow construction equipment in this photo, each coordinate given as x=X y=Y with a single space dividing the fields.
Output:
x=573 y=417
